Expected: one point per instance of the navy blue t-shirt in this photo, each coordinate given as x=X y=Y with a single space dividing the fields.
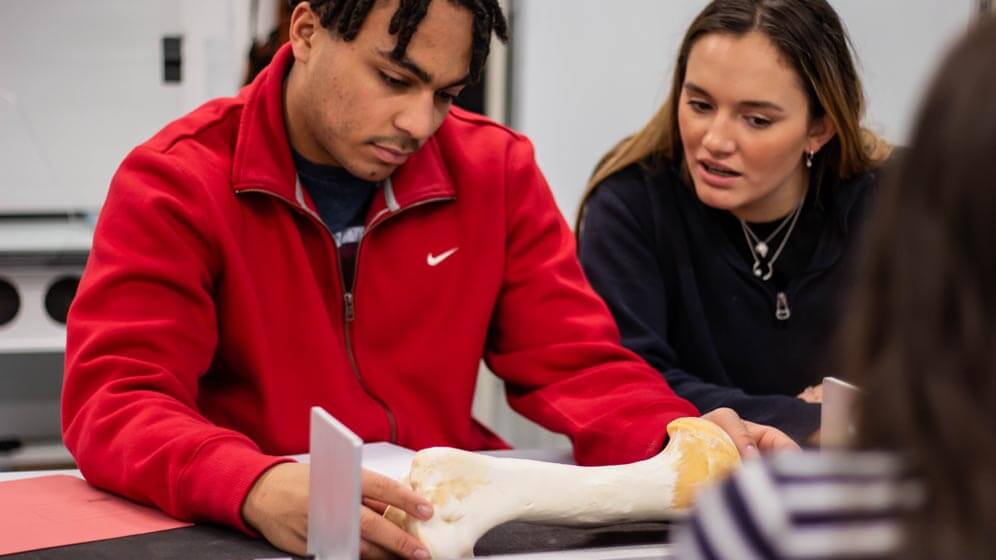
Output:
x=342 y=200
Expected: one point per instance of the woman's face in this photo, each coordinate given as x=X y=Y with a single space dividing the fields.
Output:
x=745 y=126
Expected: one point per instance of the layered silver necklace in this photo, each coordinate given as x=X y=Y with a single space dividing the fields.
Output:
x=759 y=248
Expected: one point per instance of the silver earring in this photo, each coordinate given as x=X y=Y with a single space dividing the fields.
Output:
x=809 y=160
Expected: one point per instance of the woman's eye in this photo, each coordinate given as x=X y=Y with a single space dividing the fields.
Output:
x=699 y=106
x=758 y=122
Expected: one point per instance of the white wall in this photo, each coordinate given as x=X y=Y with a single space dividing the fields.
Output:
x=589 y=72
x=81 y=84
x=899 y=44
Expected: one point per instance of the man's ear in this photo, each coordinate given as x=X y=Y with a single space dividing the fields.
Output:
x=304 y=24
x=821 y=130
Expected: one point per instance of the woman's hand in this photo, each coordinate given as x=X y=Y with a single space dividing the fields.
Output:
x=750 y=438
x=812 y=394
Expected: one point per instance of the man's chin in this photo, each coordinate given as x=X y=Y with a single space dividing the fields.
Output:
x=374 y=172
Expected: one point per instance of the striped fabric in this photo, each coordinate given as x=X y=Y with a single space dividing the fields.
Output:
x=803 y=506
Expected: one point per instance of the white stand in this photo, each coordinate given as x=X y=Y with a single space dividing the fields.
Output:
x=837 y=429
x=334 y=494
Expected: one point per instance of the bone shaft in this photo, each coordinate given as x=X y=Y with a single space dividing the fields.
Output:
x=566 y=494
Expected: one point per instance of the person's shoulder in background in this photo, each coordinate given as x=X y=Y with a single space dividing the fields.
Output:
x=804 y=505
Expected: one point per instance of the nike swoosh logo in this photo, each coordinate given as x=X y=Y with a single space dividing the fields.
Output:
x=433 y=260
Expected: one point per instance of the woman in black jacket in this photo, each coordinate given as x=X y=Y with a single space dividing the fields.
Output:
x=920 y=339
x=719 y=234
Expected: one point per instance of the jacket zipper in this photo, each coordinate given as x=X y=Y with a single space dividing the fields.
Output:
x=349 y=305
x=782 y=310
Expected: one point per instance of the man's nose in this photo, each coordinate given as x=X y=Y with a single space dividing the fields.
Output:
x=418 y=118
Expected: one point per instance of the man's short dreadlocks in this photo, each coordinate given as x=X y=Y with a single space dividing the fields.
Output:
x=346 y=17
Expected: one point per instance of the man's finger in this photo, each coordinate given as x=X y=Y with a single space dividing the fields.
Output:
x=370 y=551
x=376 y=505
x=391 y=492
x=390 y=537
x=728 y=420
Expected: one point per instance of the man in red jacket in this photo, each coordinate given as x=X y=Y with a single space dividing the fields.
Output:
x=336 y=235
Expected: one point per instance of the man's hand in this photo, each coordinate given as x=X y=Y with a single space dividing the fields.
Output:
x=379 y=538
x=277 y=507
x=748 y=436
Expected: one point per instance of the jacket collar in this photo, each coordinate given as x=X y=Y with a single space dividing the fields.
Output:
x=263 y=162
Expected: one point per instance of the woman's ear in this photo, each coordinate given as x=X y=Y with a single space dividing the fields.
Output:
x=821 y=130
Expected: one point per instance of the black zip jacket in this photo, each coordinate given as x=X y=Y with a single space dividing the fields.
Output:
x=677 y=276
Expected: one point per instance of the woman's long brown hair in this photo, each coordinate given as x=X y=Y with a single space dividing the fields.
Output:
x=921 y=337
x=812 y=39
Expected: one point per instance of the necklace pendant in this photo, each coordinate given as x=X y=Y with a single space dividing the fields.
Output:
x=757 y=269
x=761 y=249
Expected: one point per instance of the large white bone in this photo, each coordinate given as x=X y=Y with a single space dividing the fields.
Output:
x=473 y=493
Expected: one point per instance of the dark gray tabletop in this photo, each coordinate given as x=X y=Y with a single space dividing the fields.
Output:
x=207 y=541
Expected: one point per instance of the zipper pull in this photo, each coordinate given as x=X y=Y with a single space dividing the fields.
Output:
x=782 y=311
x=350 y=311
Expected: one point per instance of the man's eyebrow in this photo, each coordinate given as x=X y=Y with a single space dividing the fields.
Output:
x=407 y=64
x=752 y=104
x=422 y=75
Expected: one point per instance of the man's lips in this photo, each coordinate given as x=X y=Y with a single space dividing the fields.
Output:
x=390 y=155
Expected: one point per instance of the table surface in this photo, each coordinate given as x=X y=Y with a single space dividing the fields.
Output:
x=634 y=541
x=631 y=541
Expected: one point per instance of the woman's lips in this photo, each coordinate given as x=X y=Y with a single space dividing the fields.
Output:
x=716 y=175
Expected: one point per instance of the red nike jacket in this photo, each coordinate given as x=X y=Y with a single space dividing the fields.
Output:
x=211 y=315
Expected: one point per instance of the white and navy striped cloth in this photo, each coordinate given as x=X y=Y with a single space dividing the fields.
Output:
x=804 y=505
